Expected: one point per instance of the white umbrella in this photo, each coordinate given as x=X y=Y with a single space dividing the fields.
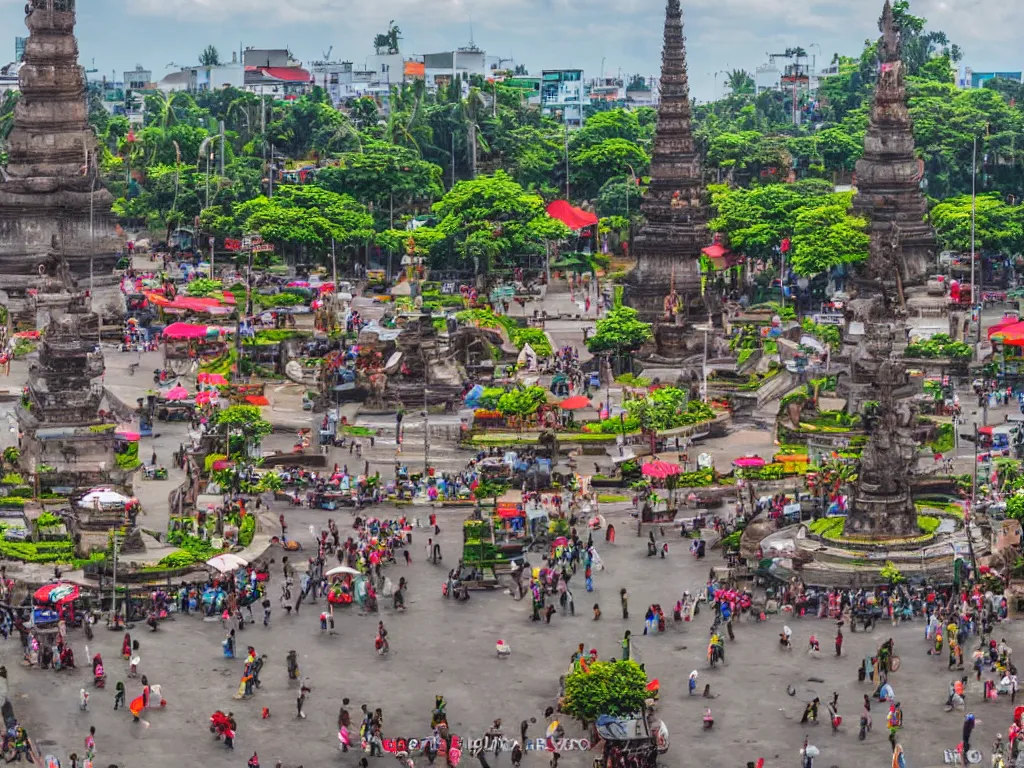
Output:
x=102 y=496
x=811 y=751
x=226 y=562
x=342 y=570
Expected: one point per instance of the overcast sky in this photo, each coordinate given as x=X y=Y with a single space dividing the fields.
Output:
x=543 y=34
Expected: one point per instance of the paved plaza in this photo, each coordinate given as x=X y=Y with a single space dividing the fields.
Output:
x=442 y=647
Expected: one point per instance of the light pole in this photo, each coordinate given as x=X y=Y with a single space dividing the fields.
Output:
x=706 y=328
x=632 y=175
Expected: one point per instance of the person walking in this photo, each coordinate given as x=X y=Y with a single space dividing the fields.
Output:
x=624 y=599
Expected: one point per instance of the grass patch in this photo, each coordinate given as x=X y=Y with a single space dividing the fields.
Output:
x=612 y=498
x=532 y=438
x=833 y=529
x=950 y=508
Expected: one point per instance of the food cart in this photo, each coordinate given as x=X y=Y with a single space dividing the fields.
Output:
x=53 y=602
x=634 y=739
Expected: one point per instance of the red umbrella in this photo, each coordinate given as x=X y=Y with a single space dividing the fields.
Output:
x=659 y=469
x=574 y=403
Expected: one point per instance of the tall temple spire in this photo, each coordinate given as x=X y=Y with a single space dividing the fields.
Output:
x=669 y=243
x=889 y=175
x=51 y=201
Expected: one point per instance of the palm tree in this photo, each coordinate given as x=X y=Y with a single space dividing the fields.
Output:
x=740 y=83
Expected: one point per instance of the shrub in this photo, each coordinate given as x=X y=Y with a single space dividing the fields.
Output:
x=178 y=560
x=606 y=688
x=246 y=530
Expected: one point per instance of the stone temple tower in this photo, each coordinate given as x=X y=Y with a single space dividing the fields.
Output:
x=51 y=201
x=668 y=245
x=889 y=178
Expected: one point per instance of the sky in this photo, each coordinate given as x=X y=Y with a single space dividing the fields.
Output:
x=623 y=36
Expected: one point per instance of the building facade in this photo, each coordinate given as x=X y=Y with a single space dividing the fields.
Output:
x=562 y=95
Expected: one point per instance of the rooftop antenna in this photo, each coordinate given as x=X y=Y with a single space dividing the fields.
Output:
x=471 y=43
x=327 y=54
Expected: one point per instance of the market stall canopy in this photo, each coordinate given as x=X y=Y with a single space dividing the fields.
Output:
x=258 y=400
x=574 y=218
x=659 y=469
x=574 y=403
x=342 y=570
x=58 y=593
x=131 y=437
x=187 y=331
x=1012 y=333
x=227 y=562
x=208 y=305
x=749 y=461
x=212 y=378
x=176 y=392
x=102 y=496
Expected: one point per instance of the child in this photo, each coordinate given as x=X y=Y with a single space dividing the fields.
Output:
x=266 y=613
x=90 y=743
x=119 y=695
x=597 y=611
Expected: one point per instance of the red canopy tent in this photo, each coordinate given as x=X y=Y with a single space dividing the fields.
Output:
x=574 y=403
x=185 y=331
x=574 y=218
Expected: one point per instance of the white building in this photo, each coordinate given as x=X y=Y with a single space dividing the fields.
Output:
x=438 y=68
x=9 y=78
x=562 y=95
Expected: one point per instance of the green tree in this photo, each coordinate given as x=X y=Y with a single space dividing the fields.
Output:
x=616 y=688
x=740 y=82
x=999 y=227
x=591 y=167
x=522 y=402
x=492 y=220
x=209 y=57
x=243 y=427
x=616 y=196
x=383 y=174
x=827 y=236
x=620 y=331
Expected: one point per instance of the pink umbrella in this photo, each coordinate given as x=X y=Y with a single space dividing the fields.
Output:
x=205 y=397
x=749 y=461
x=212 y=378
x=659 y=469
x=298 y=284
x=177 y=392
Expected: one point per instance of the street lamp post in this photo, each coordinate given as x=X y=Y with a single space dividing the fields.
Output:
x=704 y=363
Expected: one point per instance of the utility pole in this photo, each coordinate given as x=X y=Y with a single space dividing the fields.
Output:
x=566 y=158
x=113 y=594
x=974 y=499
x=334 y=266
x=426 y=436
x=974 y=201
x=270 y=176
x=222 y=148
x=212 y=241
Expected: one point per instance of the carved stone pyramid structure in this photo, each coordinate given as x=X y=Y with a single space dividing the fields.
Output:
x=889 y=178
x=51 y=201
x=669 y=243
